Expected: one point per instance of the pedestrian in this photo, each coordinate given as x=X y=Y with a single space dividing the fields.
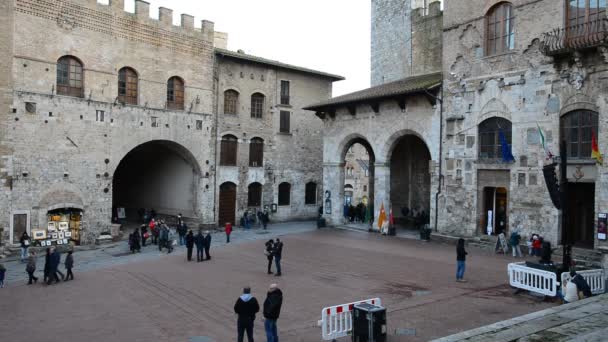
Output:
x=69 y=264
x=272 y=310
x=47 y=265
x=277 y=253
x=25 y=244
x=259 y=216
x=247 y=221
x=536 y=244
x=135 y=246
x=207 y=245
x=182 y=229
x=189 y=244
x=265 y=218
x=246 y=307
x=167 y=237
x=144 y=234
x=514 y=241
x=581 y=284
x=154 y=231
x=55 y=260
x=268 y=252
x=31 y=268
x=199 y=241
x=2 y=275
x=461 y=256
x=228 y=231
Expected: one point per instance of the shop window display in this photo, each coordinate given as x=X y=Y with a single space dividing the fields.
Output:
x=63 y=228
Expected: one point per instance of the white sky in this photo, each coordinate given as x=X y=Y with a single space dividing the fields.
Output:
x=327 y=35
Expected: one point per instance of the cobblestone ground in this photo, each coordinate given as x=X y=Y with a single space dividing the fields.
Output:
x=159 y=297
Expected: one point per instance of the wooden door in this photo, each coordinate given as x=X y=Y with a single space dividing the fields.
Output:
x=227 y=204
x=19 y=226
x=581 y=206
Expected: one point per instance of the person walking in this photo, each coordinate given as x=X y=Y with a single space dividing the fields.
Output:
x=246 y=307
x=189 y=244
x=31 y=268
x=2 y=275
x=47 y=265
x=135 y=246
x=277 y=253
x=153 y=231
x=228 y=231
x=55 y=260
x=461 y=256
x=207 y=245
x=144 y=234
x=25 y=244
x=514 y=241
x=265 y=218
x=268 y=252
x=272 y=310
x=199 y=241
x=69 y=264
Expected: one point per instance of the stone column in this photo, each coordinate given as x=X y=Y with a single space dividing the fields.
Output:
x=382 y=190
x=333 y=180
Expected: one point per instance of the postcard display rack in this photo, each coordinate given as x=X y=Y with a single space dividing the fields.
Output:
x=62 y=228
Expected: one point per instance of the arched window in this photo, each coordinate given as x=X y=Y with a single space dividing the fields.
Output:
x=175 y=93
x=70 y=77
x=228 y=150
x=500 y=33
x=578 y=128
x=127 y=86
x=257 y=105
x=256 y=152
x=311 y=193
x=254 y=195
x=489 y=137
x=231 y=100
x=284 y=193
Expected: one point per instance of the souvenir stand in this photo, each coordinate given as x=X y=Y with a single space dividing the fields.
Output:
x=62 y=228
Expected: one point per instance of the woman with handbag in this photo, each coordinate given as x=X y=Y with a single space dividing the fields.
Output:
x=25 y=244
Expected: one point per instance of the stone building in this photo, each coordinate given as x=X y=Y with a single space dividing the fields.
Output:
x=356 y=175
x=103 y=109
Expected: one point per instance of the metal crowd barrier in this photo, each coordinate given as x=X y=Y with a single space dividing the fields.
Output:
x=337 y=321
x=532 y=279
x=595 y=278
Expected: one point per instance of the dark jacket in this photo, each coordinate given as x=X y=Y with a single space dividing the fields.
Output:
x=461 y=254
x=514 y=240
x=246 y=309
x=199 y=240
x=189 y=240
x=269 y=249
x=272 y=304
x=69 y=261
x=47 y=264
x=182 y=229
x=22 y=240
x=31 y=264
x=582 y=285
x=208 y=241
x=55 y=261
x=278 y=249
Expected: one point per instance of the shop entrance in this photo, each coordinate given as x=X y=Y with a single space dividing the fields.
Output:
x=160 y=175
x=227 y=203
x=580 y=219
x=495 y=210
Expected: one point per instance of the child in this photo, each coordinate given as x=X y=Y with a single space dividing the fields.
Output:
x=69 y=264
x=2 y=273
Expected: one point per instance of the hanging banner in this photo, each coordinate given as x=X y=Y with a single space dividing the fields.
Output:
x=602 y=222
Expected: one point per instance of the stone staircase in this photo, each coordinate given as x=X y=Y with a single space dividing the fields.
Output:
x=586 y=258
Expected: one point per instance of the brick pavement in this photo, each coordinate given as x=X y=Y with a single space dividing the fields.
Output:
x=168 y=299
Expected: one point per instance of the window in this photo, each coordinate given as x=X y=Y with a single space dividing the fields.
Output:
x=257 y=105
x=69 y=77
x=228 y=150
x=284 y=193
x=127 y=86
x=311 y=193
x=489 y=137
x=100 y=115
x=254 y=195
x=584 y=11
x=365 y=188
x=154 y=121
x=199 y=125
x=284 y=125
x=285 y=92
x=231 y=99
x=500 y=34
x=577 y=128
x=175 y=93
x=256 y=152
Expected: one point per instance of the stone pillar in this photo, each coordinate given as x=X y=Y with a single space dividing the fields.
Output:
x=165 y=16
x=382 y=190
x=188 y=21
x=142 y=9
x=333 y=180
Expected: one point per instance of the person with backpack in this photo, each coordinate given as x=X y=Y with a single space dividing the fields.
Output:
x=69 y=264
x=246 y=307
x=31 y=268
x=272 y=310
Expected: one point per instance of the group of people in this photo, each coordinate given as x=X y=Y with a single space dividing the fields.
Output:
x=248 y=219
x=202 y=242
x=355 y=214
x=246 y=307
x=535 y=244
x=52 y=261
x=274 y=250
x=160 y=233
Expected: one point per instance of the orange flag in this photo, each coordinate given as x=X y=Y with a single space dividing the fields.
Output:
x=382 y=216
x=595 y=151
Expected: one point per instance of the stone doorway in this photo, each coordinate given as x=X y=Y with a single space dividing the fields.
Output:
x=358 y=205
x=227 y=204
x=160 y=175
x=495 y=210
x=410 y=182
x=580 y=219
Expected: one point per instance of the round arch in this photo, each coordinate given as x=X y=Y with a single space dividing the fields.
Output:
x=395 y=138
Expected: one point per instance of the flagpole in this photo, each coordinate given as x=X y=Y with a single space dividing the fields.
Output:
x=563 y=171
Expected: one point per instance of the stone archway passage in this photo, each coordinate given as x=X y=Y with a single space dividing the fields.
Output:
x=410 y=181
x=160 y=175
x=227 y=204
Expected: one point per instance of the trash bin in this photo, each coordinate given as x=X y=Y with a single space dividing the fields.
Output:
x=369 y=323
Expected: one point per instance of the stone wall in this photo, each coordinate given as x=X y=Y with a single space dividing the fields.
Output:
x=427 y=36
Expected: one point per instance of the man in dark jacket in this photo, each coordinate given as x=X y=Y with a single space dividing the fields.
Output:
x=55 y=260
x=581 y=284
x=277 y=253
x=272 y=309
x=189 y=244
x=246 y=307
x=207 y=244
x=199 y=241
x=69 y=264
x=182 y=229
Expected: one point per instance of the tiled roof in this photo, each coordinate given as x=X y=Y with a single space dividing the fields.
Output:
x=403 y=86
x=255 y=59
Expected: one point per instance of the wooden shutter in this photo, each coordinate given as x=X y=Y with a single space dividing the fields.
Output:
x=284 y=127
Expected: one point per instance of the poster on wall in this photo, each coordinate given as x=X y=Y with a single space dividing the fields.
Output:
x=63 y=226
x=121 y=213
x=602 y=222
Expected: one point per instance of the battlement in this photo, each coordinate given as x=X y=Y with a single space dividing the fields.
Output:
x=420 y=12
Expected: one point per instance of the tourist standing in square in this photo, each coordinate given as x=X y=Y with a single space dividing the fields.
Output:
x=461 y=256
x=246 y=307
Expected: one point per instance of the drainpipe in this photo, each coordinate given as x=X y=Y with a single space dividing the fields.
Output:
x=440 y=100
x=217 y=128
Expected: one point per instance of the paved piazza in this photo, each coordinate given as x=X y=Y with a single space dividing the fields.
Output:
x=154 y=297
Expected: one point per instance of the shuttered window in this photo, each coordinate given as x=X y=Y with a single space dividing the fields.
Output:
x=284 y=193
x=175 y=93
x=228 y=150
x=284 y=127
x=256 y=152
x=127 y=85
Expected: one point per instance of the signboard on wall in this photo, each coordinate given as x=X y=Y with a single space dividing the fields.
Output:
x=602 y=223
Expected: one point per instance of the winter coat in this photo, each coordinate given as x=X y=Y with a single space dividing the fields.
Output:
x=47 y=264
x=246 y=307
x=208 y=241
x=461 y=254
x=269 y=249
x=514 y=239
x=272 y=304
x=189 y=241
x=582 y=285
x=22 y=241
x=55 y=261
x=199 y=240
x=31 y=264
x=69 y=261
x=278 y=249
x=228 y=229
x=182 y=229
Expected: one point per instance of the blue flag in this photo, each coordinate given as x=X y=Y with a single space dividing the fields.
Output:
x=507 y=156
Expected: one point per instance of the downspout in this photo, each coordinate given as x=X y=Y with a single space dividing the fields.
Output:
x=440 y=100
x=216 y=76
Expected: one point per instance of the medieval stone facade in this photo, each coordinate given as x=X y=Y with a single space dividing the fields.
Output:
x=103 y=109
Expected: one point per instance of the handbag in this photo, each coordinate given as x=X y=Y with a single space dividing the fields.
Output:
x=26 y=242
x=146 y=235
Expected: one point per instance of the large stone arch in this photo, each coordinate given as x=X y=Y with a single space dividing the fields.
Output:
x=394 y=138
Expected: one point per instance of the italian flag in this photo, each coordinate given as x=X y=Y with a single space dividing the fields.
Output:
x=595 y=151
x=548 y=153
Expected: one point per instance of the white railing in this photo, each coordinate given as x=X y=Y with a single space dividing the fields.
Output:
x=532 y=279
x=337 y=321
x=595 y=278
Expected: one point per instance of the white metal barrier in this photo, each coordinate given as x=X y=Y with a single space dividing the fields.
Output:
x=337 y=321
x=595 y=278
x=532 y=279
